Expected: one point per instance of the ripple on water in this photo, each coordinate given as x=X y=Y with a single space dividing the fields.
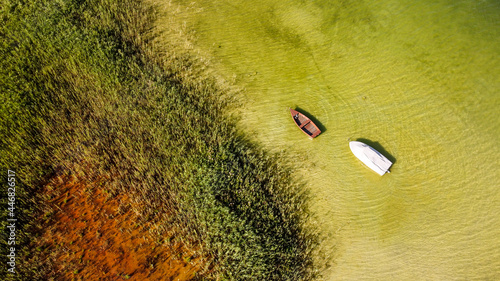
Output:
x=418 y=78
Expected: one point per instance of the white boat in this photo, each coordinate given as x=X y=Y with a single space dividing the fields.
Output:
x=370 y=157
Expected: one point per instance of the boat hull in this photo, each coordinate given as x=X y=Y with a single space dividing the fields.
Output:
x=370 y=157
x=305 y=124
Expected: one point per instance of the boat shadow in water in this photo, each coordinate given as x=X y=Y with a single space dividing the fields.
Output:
x=313 y=119
x=378 y=147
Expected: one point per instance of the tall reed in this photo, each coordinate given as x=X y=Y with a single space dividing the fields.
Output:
x=86 y=93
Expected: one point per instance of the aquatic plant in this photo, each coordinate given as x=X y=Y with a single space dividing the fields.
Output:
x=85 y=93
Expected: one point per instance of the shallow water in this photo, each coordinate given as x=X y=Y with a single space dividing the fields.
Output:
x=419 y=81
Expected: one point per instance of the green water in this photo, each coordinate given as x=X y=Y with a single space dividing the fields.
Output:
x=418 y=79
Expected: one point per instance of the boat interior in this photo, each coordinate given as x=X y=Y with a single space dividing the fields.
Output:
x=310 y=129
x=300 y=119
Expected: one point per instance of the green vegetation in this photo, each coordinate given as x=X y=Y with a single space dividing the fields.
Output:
x=84 y=92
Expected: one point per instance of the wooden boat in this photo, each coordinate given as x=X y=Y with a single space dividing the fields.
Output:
x=305 y=124
x=370 y=157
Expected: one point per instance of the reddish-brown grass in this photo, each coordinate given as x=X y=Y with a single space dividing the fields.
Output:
x=90 y=236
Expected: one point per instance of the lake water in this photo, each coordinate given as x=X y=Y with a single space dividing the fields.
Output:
x=419 y=80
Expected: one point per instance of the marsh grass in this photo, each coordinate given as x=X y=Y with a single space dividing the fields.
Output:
x=87 y=91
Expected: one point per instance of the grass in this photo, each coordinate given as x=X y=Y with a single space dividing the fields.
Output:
x=86 y=93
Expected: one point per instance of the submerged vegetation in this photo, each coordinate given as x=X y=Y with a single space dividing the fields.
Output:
x=85 y=92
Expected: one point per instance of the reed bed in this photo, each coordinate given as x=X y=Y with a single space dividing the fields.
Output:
x=86 y=92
